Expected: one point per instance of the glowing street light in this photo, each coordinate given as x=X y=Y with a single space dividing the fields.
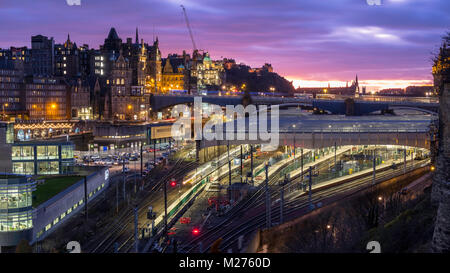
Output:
x=3 y=106
x=272 y=89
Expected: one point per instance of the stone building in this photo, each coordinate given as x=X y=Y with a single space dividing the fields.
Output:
x=67 y=62
x=42 y=55
x=173 y=74
x=80 y=102
x=208 y=73
x=47 y=98
x=119 y=104
x=11 y=90
x=154 y=68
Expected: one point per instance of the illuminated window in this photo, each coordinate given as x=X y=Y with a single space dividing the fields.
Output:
x=66 y=152
x=51 y=167
x=23 y=167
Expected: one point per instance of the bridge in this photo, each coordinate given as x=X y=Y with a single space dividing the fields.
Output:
x=361 y=106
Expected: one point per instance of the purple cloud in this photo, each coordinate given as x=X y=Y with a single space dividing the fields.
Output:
x=308 y=39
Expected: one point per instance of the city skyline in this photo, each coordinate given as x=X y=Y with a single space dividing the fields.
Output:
x=321 y=43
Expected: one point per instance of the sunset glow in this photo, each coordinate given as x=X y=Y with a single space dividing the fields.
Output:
x=372 y=85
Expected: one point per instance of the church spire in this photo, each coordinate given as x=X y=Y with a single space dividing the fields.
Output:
x=137 y=36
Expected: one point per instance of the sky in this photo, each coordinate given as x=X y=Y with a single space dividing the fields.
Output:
x=311 y=42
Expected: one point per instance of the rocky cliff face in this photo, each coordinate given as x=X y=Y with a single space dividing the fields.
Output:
x=441 y=179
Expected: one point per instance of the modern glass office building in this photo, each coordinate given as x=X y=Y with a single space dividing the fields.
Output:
x=15 y=208
x=36 y=158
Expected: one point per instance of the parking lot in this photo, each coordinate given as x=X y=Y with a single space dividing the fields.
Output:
x=127 y=160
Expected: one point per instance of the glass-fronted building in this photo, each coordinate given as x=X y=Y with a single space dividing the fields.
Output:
x=42 y=158
x=16 y=210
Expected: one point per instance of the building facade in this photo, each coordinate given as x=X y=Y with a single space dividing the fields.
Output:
x=47 y=98
x=16 y=212
x=11 y=91
x=42 y=55
x=42 y=158
x=67 y=61
x=34 y=158
x=173 y=74
x=80 y=101
x=208 y=73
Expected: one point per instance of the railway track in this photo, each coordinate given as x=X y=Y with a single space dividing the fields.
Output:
x=292 y=208
x=120 y=230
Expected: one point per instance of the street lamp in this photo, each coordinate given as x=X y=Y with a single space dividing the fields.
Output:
x=294 y=142
x=3 y=106
x=273 y=90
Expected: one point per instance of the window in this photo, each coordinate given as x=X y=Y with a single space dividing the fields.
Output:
x=15 y=197
x=67 y=152
x=23 y=167
x=22 y=153
x=39 y=234
x=15 y=221
x=47 y=152
x=66 y=167
x=51 y=167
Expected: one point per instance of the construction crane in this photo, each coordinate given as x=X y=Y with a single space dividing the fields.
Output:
x=189 y=27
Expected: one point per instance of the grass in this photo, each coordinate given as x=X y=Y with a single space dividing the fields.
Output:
x=51 y=187
x=4 y=176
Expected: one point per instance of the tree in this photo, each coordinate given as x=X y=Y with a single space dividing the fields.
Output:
x=24 y=247
x=441 y=178
x=215 y=246
x=246 y=98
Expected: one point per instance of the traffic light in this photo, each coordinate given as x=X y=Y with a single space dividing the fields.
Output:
x=195 y=231
x=173 y=183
